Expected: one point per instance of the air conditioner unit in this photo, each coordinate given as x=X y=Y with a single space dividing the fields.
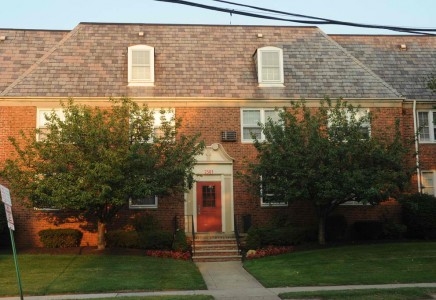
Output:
x=228 y=136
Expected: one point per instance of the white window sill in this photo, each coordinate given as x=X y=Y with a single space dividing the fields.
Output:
x=280 y=85
x=139 y=207
x=141 y=84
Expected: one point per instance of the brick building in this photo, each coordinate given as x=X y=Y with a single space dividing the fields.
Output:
x=220 y=80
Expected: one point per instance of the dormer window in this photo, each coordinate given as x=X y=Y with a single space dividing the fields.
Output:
x=269 y=63
x=141 y=65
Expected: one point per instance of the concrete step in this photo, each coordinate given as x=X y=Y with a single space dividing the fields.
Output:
x=215 y=247
x=206 y=258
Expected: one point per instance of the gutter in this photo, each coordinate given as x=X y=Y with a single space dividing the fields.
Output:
x=415 y=128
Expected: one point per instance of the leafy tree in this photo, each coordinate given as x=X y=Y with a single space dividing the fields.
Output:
x=95 y=159
x=325 y=157
x=431 y=83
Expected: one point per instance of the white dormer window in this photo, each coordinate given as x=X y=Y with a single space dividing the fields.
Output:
x=269 y=62
x=141 y=65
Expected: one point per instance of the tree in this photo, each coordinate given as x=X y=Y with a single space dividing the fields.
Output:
x=94 y=160
x=327 y=157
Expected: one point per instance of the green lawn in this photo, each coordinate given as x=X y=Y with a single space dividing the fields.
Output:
x=58 y=274
x=371 y=294
x=364 y=264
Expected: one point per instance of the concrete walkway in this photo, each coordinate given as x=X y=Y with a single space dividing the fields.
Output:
x=227 y=280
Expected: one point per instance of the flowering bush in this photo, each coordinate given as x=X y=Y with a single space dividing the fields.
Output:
x=169 y=254
x=268 y=251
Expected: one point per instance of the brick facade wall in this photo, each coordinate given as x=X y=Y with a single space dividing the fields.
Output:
x=210 y=122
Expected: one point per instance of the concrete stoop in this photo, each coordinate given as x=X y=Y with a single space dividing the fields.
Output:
x=215 y=247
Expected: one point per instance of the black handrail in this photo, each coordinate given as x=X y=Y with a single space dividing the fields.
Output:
x=238 y=237
x=180 y=221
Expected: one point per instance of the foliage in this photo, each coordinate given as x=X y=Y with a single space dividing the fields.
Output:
x=122 y=239
x=145 y=223
x=95 y=159
x=60 y=238
x=3 y=221
x=261 y=237
x=268 y=251
x=368 y=230
x=155 y=240
x=323 y=156
x=419 y=215
x=336 y=228
x=180 y=242
x=393 y=230
x=182 y=255
x=431 y=83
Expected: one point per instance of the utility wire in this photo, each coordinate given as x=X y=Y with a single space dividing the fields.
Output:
x=334 y=22
x=313 y=21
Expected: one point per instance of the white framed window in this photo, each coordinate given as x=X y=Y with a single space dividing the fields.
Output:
x=269 y=63
x=365 y=126
x=141 y=65
x=251 y=118
x=143 y=203
x=42 y=122
x=266 y=196
x=428 y=181
x=159 y=115
x=427 y=126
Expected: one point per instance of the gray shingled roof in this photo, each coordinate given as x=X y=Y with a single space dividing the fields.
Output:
x=196 y=61
x=21 y=49
x=406 y=70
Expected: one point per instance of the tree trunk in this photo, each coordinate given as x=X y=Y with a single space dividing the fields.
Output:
x=321 y=230
x=101 y=243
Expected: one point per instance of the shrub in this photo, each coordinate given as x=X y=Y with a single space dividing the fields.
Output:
x=169 y=254
x=419 y=215
x=277 y=236
x=155 y=240
x=368 y=230
x=3 y=221
x=145 y=223
x=268 y=251
x=60 y=238
x=392 y=230
x=122 y=239
x=180 y=242
x=336 y=228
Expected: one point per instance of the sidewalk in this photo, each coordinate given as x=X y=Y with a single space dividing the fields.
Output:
x=225 y=281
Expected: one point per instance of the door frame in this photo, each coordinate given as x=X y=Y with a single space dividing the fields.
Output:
x=214 y=164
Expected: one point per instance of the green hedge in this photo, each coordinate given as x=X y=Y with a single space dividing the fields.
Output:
x=122 y=239
x=278 y=236
x=60 y=238
x=419 y=215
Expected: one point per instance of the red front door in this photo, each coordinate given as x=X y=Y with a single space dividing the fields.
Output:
x=209 y=206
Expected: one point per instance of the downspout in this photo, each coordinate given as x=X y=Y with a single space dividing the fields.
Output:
x=415 y=128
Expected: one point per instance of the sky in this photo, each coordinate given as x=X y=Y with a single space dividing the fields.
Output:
x=66 y=14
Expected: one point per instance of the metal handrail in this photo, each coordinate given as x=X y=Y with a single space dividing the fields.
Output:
x=238 y=237
x=179 y=225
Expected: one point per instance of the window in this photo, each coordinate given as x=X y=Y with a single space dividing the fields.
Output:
x=141 y=65
x=427 y=126
x=428 y=180
x=365 y=126
x=42 y=122
x=251 y=119
x=266 y=196
x=269 y=63
x=137 y=129
x=146 y=202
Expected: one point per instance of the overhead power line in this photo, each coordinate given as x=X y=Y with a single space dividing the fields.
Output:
x=307 y=19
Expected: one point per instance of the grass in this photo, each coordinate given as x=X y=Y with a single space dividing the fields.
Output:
x=364 y=264
x=370 y=294
x=69 y=274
